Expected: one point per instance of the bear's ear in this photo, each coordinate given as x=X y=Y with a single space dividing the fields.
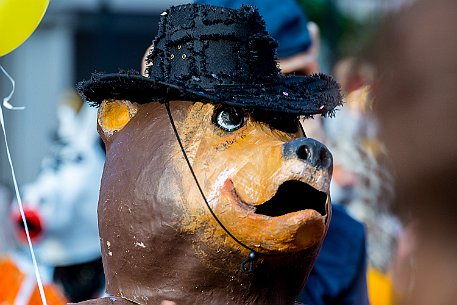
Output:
x=113 y=115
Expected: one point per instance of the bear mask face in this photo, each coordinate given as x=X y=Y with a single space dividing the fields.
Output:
x=265 y=183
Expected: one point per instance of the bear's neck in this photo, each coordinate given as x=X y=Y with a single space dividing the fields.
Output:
x=275 y=281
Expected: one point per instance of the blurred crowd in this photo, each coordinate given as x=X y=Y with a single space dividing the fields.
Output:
x=392 y=236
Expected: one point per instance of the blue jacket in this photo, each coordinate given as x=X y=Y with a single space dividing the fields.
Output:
x=339 y=275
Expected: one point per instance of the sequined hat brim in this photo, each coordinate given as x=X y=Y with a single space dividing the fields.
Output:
x=307 y=96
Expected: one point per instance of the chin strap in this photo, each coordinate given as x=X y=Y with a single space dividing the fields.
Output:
x=247 y=266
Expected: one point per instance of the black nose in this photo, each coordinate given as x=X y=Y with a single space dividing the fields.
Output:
x=308 y=150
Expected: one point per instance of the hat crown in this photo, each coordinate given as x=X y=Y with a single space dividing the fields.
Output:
x=216 y=55
x=204 y=46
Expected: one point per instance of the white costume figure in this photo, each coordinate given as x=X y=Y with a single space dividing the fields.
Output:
x=61 y=204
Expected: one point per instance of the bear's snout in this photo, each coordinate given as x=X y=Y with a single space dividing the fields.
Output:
x=308 y=150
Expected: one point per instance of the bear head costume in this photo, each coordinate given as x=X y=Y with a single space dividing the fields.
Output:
x=211 y=192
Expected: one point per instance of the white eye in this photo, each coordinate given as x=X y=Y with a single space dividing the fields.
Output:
x=229 y=118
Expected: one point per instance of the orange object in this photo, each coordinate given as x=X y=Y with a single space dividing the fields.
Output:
x=379 y=288
x=11 y=281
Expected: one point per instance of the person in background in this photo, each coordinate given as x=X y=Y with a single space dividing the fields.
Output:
x=362 y=184
x=339 y=276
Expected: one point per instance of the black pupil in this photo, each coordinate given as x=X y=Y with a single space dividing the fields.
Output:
x=229 y=119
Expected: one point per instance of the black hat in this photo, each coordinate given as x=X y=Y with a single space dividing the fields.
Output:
x=217 y=55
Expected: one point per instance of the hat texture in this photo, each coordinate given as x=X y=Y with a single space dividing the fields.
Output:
x=285 y=21
x=217 y=55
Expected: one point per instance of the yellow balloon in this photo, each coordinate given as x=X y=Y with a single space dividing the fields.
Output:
x=18 y=20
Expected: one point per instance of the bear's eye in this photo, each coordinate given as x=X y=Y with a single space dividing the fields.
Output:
x=229 y=118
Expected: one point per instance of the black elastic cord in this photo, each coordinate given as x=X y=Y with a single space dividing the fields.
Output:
x=253 y=254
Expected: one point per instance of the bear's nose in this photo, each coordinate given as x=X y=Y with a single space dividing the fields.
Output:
x=308 y=150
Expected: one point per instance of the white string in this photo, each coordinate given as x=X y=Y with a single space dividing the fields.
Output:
x=6 y=100
x=7 y=105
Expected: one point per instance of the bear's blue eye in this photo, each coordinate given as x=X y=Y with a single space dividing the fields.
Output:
x=229 y=118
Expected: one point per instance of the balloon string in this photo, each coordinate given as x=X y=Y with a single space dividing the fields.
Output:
x=7 y=105
x=6 y=100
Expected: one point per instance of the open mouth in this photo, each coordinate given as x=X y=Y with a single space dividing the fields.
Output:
x=293 y=196
x=295 y=218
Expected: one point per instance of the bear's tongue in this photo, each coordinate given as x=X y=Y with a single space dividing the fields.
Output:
x=293 y=196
